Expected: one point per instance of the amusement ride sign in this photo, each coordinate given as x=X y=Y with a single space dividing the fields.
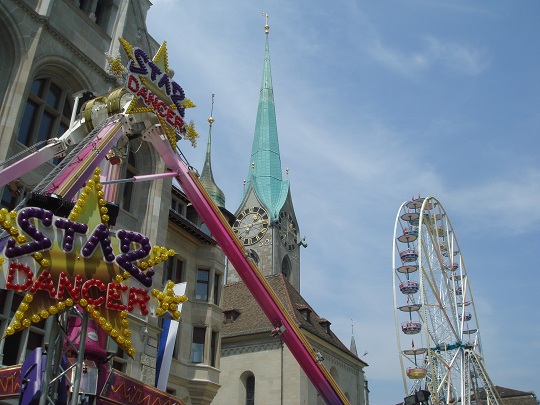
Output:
x=150 y=81
x=60 y=262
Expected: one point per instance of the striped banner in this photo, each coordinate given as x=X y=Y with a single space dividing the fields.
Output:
x=166 y=344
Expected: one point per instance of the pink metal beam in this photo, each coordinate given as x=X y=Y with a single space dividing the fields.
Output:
x=68 y=183
x=29 y=163
x=248 y=271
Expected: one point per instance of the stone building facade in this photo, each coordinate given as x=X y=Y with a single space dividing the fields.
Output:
x=53 y=53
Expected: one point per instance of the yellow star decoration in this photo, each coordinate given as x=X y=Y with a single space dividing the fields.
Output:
x=67 y=269
x=168 y=301
x=161 y=59
x=115 y=66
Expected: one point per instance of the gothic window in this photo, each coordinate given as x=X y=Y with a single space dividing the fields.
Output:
x=286 y=267
x=250 y=390
x=8 y=199
x=201 y=289
x=102 y=12
x=178 y=206
x=177 y=341
x=217 y=288
x=230 y=316
x=205 y=229
x=192 y=215
x=306 y=313
x=47 y=112
x=127 y=191
x=214 y=348
x=118 y=361
x=334 y=373
x=197 y=345
x=325 y=323
x=253 y=256
x=16 y=347
x=174 y=271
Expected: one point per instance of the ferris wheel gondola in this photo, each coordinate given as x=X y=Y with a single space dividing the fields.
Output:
x=435 y=317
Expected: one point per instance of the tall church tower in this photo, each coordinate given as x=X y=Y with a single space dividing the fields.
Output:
x=266 y=223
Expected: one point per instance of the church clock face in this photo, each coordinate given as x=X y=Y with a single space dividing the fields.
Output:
x=251 y=225
x=287 y=231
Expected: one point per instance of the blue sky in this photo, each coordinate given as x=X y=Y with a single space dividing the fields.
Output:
x=377 y=102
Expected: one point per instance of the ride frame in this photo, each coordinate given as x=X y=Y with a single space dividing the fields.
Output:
x=70 y=175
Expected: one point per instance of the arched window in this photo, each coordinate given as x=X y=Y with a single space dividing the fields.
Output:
x=102 y=12
x=286 y=267
x=127 y=191
x=250 y=390
x=334 y=373
x=47 y=112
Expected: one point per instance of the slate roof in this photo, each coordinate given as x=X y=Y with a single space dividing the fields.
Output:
x=511 y=396
x=252 y=320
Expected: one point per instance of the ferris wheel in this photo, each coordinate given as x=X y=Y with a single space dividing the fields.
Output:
x=438 y=336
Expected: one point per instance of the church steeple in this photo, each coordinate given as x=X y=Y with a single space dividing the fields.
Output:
x=265 y=220
x=265 y=165
x=353 y=343
x=207 y=178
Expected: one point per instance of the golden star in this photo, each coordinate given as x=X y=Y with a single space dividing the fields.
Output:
x=169 y=301
x=115 y=67
x=59 y=262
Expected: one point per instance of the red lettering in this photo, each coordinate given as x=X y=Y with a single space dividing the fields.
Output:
x=138 y=296
x=114 y=294
x=162 y=109
x=44 y=282
x=23 y=275
x=150 y=99
x=85 y=291
x=178 y=123
x=155 y=104
x=142 y=93
x=133 y=84
x=73 y=290
x=170 y=116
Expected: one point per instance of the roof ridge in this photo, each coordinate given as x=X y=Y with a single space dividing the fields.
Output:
x=291 y=306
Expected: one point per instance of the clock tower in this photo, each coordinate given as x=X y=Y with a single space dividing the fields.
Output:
x=265 y=221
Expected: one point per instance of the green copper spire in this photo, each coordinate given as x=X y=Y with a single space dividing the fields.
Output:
x=207 y=178
x=265 y=166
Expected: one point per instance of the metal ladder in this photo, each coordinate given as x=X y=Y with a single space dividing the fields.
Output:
x=72 y=157
x=492 y=396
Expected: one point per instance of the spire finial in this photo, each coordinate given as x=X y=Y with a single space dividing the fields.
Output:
x=266 y=27
x=207 y=178
x=211 y=119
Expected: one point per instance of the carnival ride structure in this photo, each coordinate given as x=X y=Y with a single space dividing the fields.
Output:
x=438 y=336
x=105 y=124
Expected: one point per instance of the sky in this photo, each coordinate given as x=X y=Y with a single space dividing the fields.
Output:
x=377 y=102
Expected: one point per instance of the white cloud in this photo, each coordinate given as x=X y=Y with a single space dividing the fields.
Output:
x=452 y=56
x=508 y=204
x=460 y=58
